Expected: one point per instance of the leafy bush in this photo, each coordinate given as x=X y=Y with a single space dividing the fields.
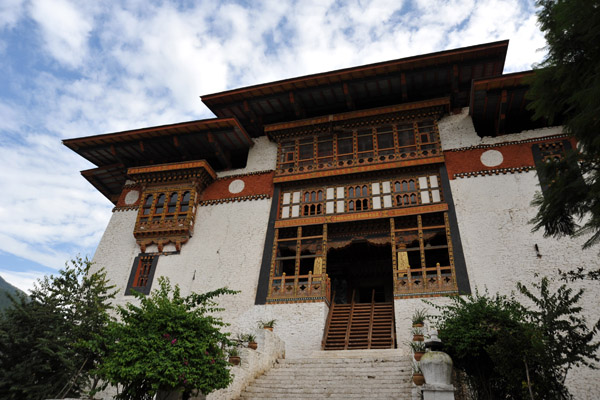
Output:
x=168 y=343
x=51 y=342
x=509 y=351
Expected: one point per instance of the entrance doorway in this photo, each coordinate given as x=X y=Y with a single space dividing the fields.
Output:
x=359 y=262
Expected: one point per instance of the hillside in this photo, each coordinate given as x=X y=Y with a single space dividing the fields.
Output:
x=5 y=288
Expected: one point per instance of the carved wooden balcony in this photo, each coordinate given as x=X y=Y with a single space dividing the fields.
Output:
x=299 y=288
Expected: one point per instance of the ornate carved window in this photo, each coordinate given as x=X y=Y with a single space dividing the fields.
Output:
x=355 y=146
x=298 y=260
x=549 y=151
x=170 y=195
x=407 y=191
x=424 y=263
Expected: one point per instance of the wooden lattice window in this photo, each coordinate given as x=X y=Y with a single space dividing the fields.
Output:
x=297 y=249
x=354 y=146
x=546 y=152
x=408 y=191
x=142 y=273
x=162 y=205
x=313 y=203
x=405 y=192
x=423 y=248
x=358 y=198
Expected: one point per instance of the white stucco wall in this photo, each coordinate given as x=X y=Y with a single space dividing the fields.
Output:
x=457 y=131
x=117 y=249
x=493 y=214
x=261 y=157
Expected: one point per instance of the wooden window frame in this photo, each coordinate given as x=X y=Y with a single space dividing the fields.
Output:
x=289 y=161
x=432 y=278
x=298 y=257
x=543 y=152
x=157 y=213
x=143 y=269
x=367 y=201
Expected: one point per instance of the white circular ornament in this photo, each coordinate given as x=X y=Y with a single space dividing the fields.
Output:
x=236 y=186
x=491 y=158
x=131 y=197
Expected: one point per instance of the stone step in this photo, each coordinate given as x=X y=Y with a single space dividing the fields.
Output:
x=326 y=390
x=339 y=371
x=345 y=374
x=397 y=396
x=342 y=362
x=346 y=384
x=370 y=376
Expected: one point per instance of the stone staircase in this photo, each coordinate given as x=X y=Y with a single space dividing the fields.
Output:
x=350 y=374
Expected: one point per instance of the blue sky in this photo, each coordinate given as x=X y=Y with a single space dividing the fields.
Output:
x=73 y=68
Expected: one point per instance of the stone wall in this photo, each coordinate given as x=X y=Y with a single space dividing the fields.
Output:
x=253 y=364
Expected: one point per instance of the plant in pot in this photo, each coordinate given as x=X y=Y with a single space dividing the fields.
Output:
x=417 y=376
x=418 y=335
x=240 y=339
x=234 y=356
x=268 y=325
x=251 y=340
x=419 y=317
x=418 y=348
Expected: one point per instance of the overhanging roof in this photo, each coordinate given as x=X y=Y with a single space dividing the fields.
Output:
x=442 y=74
x=498 y=105
x=222 y=142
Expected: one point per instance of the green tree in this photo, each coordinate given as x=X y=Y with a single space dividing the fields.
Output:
x=509 y=351
x=566 y=89
x=51 y=341
x=167 y=343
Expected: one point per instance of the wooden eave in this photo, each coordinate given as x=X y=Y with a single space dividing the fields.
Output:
x=443 y=103
x=498 y=105
x=441 y=74
x=217 y=140
x=222 y=142
x=108 y=180
x=171 y=172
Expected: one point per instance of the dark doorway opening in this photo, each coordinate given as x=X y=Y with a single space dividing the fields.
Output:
x=359 y=262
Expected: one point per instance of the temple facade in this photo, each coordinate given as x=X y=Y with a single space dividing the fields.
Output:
x=373 y=186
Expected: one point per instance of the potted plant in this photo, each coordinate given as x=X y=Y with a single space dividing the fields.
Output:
x=418 y=348
x=419 y=317
x=268 y=325
x=240 y=339
x=234 y=356
x=251 y=339
x=417 y=376
x=418 y=335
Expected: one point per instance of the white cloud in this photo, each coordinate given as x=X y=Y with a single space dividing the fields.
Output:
x=23 y=280
x=65 y=29
x=11 y=12
x=47 y=203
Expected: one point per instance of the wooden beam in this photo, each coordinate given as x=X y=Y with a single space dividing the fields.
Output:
x=349 y=100
x=297 y=106
x=501 y=121
x=403 y=86
x=222 y=156
x=455 y=83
